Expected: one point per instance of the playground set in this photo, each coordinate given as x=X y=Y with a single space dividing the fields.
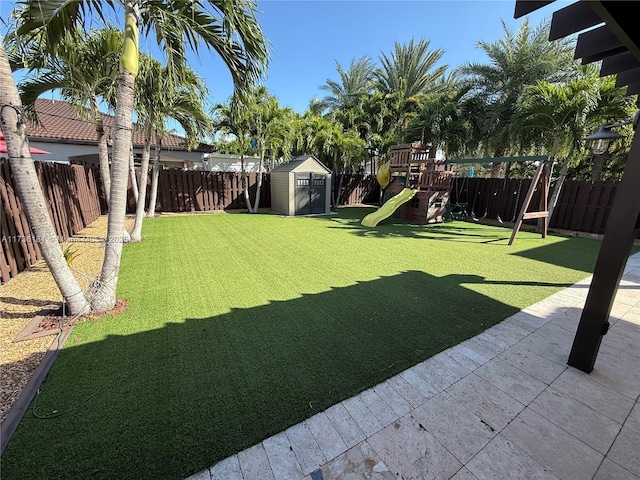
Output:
x=417 y=186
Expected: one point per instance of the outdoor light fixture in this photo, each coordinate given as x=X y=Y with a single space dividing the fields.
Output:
x=602 y=139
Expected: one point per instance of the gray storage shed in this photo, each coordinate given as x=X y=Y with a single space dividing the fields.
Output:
x=301 y=186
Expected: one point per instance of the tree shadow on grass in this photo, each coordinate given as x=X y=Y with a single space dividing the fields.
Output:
x=168 y=402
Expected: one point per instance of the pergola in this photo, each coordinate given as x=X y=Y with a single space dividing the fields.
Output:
x=610 y=34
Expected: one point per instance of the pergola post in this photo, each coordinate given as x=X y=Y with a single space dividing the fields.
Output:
x=621 y=230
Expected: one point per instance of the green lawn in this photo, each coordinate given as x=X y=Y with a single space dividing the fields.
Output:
x=240 y=326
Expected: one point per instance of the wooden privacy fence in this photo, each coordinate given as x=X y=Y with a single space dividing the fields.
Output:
x=357 y=189
x=196 y=191
x=71 y=197
x=583 y=206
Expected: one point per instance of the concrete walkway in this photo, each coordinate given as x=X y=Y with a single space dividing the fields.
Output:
x=503 y=404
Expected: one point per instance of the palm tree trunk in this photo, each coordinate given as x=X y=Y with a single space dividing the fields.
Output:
x=103 y=294
x=598 y=162
x=136 y=232
x=496 y=167
x=103 y=157
x=256 y=205
x=28 y=187
x=245 y=184
x=132 y=176
x=555 y=195
x=154 y=181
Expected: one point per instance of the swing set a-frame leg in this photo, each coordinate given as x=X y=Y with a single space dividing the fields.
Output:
x=540 y=177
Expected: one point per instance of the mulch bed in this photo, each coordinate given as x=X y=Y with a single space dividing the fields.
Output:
x=22 y=301
x=55 y=319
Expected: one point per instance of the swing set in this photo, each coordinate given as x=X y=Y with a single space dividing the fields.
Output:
x=541 y=177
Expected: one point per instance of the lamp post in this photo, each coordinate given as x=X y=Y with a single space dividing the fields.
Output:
x=601 y=141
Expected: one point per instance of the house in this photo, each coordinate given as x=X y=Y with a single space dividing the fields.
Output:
x=224 y=162
x=72 y=139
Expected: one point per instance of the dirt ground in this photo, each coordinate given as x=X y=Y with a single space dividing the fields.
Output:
x=25 y=295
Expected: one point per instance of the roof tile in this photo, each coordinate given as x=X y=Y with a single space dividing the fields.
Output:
x=58 y=121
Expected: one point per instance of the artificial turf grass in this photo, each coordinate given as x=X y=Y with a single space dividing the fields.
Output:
x=242 y=325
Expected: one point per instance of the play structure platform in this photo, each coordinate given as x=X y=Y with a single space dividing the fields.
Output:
x=415 y=184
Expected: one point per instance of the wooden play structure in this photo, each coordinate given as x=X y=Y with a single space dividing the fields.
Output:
x=414 y=166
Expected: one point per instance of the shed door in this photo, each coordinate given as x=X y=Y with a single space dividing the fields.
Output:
x=318 y=192
x=303 y=193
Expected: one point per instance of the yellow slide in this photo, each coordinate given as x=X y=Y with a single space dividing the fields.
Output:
x=390 y=206
x=383 y=175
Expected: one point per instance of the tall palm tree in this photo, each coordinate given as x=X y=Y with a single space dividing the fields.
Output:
x=185 y=104
x=148 y=100
x=355 y=82
x=28 y=187
x=519 y=59
x=270 y=130
x=410 y=69
x=406 y=76
x=81 y=81
x=228 y=28
x=235 y=118
x=256 y=115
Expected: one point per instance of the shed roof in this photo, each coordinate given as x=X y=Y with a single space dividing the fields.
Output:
x=295 y=162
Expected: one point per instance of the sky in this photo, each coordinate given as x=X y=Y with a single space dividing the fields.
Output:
x=307 y=37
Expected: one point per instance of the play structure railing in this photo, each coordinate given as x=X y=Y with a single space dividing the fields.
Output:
x=436 y=179
x=401 y=156
x=421 y=169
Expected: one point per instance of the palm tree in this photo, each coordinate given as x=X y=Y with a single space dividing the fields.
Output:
x=270 y=130
x=28 y=187
x=148 y=101
x=406 y=76
x=355 y=82
x=519 y=59
x=235 y=118
x=228 y=28
x=81 y=81
x=451 y=122
x=410 y=69
x=555 y=115
x=266 y=126
x=558 y=117
x=184 y=103
x=256 y=115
